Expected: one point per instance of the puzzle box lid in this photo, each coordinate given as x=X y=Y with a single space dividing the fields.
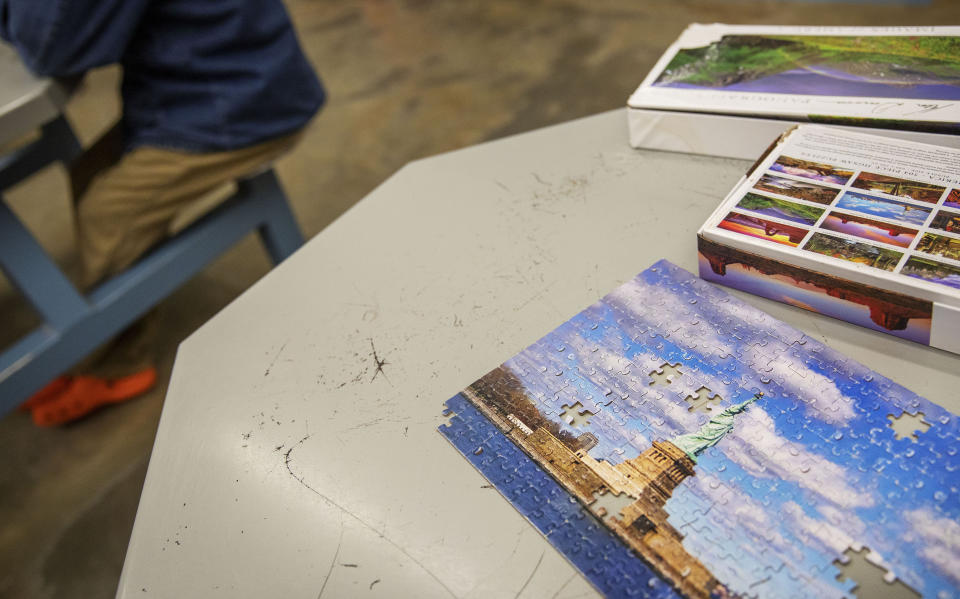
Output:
x=889 y=77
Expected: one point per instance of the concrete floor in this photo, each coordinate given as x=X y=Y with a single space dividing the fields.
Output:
x=406 y=80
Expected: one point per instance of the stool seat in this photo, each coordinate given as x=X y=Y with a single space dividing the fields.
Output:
x=202 y=206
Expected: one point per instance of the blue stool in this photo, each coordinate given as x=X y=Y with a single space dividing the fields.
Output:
x=76 y=324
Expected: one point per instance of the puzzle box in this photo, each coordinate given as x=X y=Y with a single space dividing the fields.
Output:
x=678 y=442
x=854 y=226
x=727 y=90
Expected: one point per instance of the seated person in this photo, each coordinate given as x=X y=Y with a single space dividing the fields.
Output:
x=212 y=90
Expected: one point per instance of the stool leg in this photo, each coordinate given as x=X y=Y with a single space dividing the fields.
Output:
x=60 y=139
x=36 y=276
x=279 y=232
x=57 y=142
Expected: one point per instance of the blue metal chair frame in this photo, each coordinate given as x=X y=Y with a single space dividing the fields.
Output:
x=76 y=324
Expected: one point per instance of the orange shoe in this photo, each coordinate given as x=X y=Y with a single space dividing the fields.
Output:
x=52 y=390
x=86 y=393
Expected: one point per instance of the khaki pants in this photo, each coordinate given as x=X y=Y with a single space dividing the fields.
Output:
x=128 y=206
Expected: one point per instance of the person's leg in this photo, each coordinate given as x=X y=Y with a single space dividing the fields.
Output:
x=123 y=211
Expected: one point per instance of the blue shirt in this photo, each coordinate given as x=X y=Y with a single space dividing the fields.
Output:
x=198 y=75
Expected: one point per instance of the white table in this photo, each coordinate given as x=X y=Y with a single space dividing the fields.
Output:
x=287 y=465
x=26 y=101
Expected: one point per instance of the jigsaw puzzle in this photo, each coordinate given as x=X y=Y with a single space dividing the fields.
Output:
x=671 y=440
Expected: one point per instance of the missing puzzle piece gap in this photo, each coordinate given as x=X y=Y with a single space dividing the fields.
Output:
x=906 y=425
x=872 y=579
x=665 y=374
x=576 y=415
x=703 y=400
x=606 y=504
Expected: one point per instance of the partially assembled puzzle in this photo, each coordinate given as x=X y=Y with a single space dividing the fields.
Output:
x=671 y=440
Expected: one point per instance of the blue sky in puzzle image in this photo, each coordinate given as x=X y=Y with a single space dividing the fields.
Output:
x=811 y=469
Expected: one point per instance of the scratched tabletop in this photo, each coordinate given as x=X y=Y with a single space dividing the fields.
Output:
x=298 y=453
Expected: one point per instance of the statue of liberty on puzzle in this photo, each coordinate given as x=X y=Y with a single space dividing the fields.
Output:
x=730 y=454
